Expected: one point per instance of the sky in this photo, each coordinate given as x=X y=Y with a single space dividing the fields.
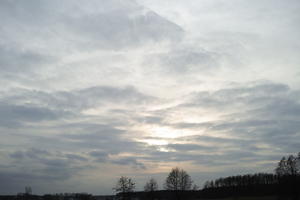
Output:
x=94 y=90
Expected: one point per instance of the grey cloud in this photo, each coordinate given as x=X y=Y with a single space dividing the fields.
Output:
x=118 y=29
x=45 y=157
x=17 y=155
x=79 y=99
x=104 y=141
x=103 y=132
x=19 y=106
x=15 y=115
x=258 y=119
x=265 y=112
x=225 y=145
x=129 y=161
x=273 y=132
x=191 y=125
x=37 y=35
x=14 y=62
x=75 y=157
x=104 y=138
x=14 y=11
x=282 y=107
x=259 y=93
x=150 y=119
x=213 y=157
x=47 y=166
x=221 y=141
x=100 y=156
x=126 y=94
x=171 y=156
x=105 y=24
x=191 y=147
x=184 y=61
x=56 y=163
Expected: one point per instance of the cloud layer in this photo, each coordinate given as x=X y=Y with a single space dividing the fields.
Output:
x=107 y=88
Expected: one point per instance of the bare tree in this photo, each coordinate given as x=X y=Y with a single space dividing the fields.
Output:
x=150 y=188
x=28 y=190
x=178 y=179
x=151 y=185
x=195 y=187
x=288 y=171
x=289 y=166
x=124 y=187
x=206 y=184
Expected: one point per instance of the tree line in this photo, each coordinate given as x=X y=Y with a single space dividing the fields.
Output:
x=179 y=185
x=177 y=180
x=284 y=182
x=243 y=180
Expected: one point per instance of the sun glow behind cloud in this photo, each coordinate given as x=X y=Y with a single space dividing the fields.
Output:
x=154 y=142
x=166 y=132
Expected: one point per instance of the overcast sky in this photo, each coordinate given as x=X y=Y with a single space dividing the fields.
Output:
x=93 y=90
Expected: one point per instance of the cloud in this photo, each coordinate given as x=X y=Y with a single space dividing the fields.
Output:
x=183 y=59
x=119 y=29
x=78 y=99
x=20 y=106
x=129 y=161
x=93 y=87
x=98 y=24
x=223 y=98
x=40 y=169
x=190 y=147
x=14 y=62
x=75 y=157
x=108 y=141
x=255 y=124
x=44 y=41
x=15 y=115
x=32 y=153
x=100 y=156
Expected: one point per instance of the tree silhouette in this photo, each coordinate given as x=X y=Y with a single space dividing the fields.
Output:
x=28 y=190
x=151 y=185
x=288 y=171
x=289 y=166
x=178 y=179
x=195 y=187
x=124 y=187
